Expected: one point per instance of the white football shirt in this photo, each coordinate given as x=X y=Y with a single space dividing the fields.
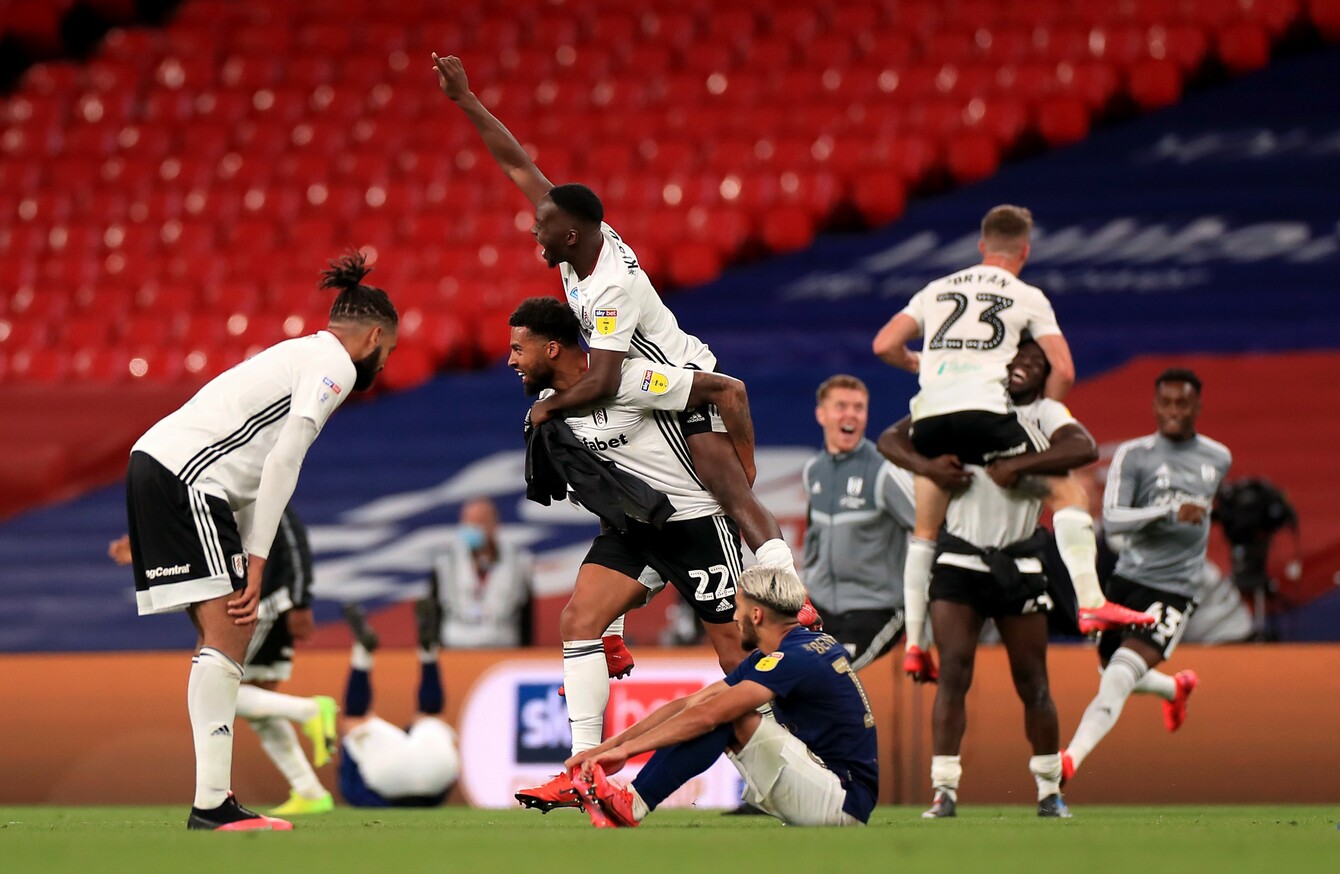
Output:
x=620 y=310
x=971 y=322
x=649 y=444
x=988 y=516
x=218 y=440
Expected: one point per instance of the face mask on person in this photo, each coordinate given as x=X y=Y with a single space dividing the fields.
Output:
x=473 y=536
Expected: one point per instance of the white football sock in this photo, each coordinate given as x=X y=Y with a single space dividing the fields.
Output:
x=640 y=808
x=1047 y=772
x=775 y=554
x=615 y=629
x=254 y=702
x=1079 y=552
x=1156 y=682
x=946 y=771
x=916 y=588
x=586 y=688
x=427 y=656
x=1120 y=676
x=360 y=659
x=211 y=701
x=280 y=743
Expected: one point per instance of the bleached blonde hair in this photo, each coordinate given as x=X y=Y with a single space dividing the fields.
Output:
x=778 y=589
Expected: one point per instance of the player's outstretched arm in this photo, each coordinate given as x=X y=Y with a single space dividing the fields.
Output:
x=498 y=139
x=946 y=471
x=732 y=401
x=1072 y=446
x=890 y=344
x=597 y=385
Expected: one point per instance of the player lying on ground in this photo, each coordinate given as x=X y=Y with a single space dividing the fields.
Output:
x=383 y=765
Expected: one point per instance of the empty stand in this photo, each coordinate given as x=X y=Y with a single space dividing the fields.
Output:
x=175 y=195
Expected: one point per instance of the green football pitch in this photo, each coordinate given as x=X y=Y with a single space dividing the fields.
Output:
x=1131 y=840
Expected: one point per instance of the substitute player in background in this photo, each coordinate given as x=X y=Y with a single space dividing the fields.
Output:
x=621 y=316
x=206 y=489
x=989 y=566
x=697 y=550
x=1160 y=490
x=817 y=763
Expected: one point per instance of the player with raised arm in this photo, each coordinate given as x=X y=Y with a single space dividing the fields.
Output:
x=816 y=763
x=621 y=316
x=978 y=317
x=206 y=489
x=1160 y=490
x=989 y=566
x=697 y=550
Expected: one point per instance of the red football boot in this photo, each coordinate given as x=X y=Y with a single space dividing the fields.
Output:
x=1174 y=711
x=558 y=792
x=1109 y=617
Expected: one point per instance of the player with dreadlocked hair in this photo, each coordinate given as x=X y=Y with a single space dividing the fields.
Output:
x=205 y=492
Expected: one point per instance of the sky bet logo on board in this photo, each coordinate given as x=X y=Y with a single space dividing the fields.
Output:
x=543 y=735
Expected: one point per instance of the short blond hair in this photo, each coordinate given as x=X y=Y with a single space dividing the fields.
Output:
x=778 y=589
x=839 y=380
x=1006 y=228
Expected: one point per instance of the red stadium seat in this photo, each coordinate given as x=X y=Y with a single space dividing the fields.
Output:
x=787 y=227
x=1155 y=84
x=1062 y=120
x=693 y=264
x=973 y=157
x=881 y=197
x=1243 y=47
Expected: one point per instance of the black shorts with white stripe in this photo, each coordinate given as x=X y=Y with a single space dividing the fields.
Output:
x=866 y=634
x=699 y=557
x=976 y=436
x=1171 y=614
x=184 y=544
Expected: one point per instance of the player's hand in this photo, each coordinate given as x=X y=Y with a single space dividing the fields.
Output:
x=246 y=606
x=301 y=623
x=119 y=550
x=947 y=472
x=1003 y=473
x=612 y=761
x=913 y=361
x=540 y=412
x=451 y=76
x=1190 y=514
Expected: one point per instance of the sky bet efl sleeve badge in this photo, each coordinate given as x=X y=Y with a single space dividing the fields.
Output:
x=768 y=662
x=656 y=383
x=606 y=322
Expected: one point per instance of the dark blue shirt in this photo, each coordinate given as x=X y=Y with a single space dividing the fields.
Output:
x=820 y=700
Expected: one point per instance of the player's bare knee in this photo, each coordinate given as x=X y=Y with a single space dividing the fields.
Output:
x=577 y=622
x=1066 y=492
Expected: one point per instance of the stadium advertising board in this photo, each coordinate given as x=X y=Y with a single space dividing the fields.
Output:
x=513 y=728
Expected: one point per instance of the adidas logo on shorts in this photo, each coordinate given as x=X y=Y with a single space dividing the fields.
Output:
x=725 y=605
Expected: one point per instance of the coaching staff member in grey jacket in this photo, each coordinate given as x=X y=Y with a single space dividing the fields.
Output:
x=860 y=514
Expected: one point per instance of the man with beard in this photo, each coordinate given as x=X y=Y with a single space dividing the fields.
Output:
x=697 y=550
x=206 y=489
x=621 y=316
x=815 y=764
x=1160 y=490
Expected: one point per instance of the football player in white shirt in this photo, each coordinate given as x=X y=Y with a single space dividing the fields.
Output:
x=205 y=491
x=995 y=511
x=1066 y=497
x=697 y=550
x=621 y=316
